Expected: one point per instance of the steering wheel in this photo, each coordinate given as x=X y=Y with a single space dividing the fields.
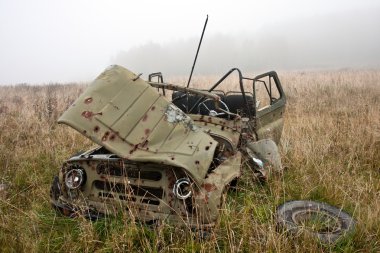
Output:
x=212 y=112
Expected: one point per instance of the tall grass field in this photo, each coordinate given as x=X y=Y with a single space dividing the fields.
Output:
x=330 y=151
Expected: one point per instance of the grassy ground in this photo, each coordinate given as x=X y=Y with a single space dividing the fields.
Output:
x=330 y=150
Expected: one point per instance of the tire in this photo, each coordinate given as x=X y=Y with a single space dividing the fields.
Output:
x=320 y=220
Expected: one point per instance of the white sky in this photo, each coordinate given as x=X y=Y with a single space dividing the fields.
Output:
x=74 y=40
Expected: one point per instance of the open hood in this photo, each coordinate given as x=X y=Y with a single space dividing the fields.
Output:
x=123 y=113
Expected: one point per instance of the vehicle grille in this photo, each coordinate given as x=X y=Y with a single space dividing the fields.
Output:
x=135 y=172
x=142 y=191
x=145 y=182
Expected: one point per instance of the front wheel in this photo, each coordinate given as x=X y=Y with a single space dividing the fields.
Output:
x=321 y=220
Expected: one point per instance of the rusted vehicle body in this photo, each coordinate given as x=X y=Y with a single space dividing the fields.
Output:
x=166 y=159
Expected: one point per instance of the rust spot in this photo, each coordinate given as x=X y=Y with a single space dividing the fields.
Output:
x=89 y=115
x=222 y=128
x=172 y=158
x=105 y=136
x=96 y=129
x=153 y=108
x=209 y=187
x=112 y=137
x=207 y=147
x=147 y=131
x=210 y=142
x=197 y=162
x=206 y=199
x=144 y=144
x=88 y=100
x=84 y=132
x=145 y=117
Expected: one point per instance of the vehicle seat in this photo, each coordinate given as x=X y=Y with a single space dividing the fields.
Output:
x=235 y=103
x=180 y=100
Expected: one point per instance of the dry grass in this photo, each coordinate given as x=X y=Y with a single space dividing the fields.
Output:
x=330 y=149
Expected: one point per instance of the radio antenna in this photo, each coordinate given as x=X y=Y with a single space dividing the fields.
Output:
x=196 y=56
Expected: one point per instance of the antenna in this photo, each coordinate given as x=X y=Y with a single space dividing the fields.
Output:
x=196 y=56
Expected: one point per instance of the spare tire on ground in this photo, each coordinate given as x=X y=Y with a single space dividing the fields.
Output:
x=326 y=222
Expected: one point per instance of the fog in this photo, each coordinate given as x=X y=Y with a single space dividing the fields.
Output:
x=45 y=41
x=342 y=40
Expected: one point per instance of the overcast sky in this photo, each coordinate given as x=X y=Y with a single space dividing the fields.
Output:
x=46 y=41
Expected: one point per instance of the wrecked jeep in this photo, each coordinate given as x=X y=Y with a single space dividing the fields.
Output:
x=166 y=159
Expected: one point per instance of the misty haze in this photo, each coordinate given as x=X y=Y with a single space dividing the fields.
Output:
x=344 y=40
x=70 y=41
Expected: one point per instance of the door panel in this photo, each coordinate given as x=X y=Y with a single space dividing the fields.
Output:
x=270 y=106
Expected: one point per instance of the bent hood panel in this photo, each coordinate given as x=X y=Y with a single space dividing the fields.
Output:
x=127 y=116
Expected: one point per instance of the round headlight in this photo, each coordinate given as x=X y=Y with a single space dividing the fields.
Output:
x=181 y=188
x=74 y=178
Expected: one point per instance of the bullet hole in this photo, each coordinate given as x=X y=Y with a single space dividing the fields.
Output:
x=105 y=136
x=87 y=114
x=88 y=100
